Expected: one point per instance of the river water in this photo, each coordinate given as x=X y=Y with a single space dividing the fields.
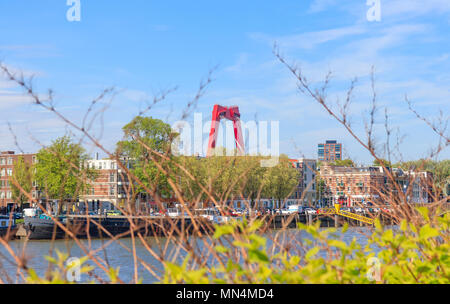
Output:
x=117 y=256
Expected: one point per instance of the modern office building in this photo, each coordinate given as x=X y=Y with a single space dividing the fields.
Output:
x=330 y=151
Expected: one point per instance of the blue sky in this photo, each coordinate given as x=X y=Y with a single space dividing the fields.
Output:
x=144 y=47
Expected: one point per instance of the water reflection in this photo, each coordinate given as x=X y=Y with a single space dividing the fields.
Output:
x=117 y=256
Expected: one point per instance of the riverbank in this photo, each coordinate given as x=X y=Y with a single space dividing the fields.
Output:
x=99 y=226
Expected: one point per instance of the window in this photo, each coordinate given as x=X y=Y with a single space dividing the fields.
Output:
x=113 y=165
x=2 y=161
x=34 y=159
x=111 y=190
x=9 y=172
x=3 y=172
x=111 y=177
x=100 y=166
x=9 y=194
x=10 y=161
x=2 y=194
x=2 y=183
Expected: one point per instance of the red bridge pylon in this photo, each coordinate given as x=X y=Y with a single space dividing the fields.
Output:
x=230 y=113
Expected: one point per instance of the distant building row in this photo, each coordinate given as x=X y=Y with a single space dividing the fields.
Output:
x=347 y=185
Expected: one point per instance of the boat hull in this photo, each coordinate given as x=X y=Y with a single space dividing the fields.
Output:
x=81 y=227
x=42 y=229
x=9 y=235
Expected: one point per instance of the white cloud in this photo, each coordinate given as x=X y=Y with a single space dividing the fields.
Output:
x=310 y=40
x=321 y=5
x=9 y=100
x=413 y=8
x=240 y=63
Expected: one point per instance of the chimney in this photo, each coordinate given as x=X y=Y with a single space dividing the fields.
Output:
x=96 y=155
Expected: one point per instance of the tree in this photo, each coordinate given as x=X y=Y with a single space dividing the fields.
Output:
x=281 y=180
x=343 y=163
x=23 y=176
x=60 y=170
x=142 y=136
x=320 y=188
x=381 y=161
x=191 y=189
x=253 y=182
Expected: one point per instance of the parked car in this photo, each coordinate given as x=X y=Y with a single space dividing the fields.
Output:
x=310 y=211
x=292 y=209
x=284 y=211
x=232 y=213
x=239 y=211
x=358 y=209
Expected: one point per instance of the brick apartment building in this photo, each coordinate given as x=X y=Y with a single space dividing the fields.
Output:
x=111 y=188
x=7 y=161
x=352 y=185
x=356 y=185
x=103 y=193
x=330 y=151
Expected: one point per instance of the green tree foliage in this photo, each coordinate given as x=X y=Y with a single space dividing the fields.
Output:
x=386 y=163
x=320 y=187
x=281 y=180
x=142 y=136
x=344 y=162
x=23 y=176
x=253 y=182
x=408 y=255
x=229 y=177
x=60 y=170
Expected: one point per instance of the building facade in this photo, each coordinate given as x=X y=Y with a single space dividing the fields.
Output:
x=7 y=161
x=353 y=186
x=103 y=192
x=329 y=151
x=305 y=193
x=111 y=189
